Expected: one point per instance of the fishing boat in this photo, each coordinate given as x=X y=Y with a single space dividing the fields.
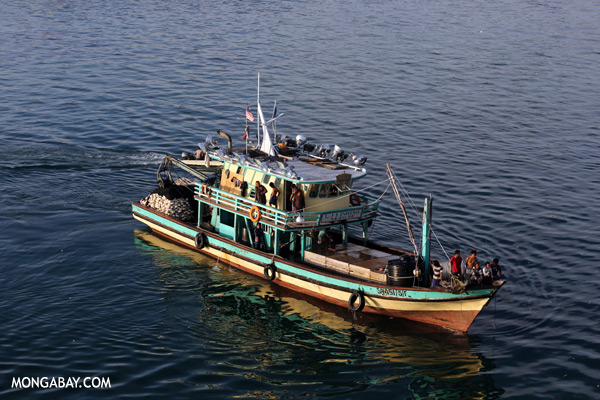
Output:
x=312 y=236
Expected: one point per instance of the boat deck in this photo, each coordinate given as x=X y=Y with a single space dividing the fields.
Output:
x=353 y=260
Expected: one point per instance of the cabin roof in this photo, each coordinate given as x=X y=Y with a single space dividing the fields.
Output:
x=311 y=173
x=316 y=171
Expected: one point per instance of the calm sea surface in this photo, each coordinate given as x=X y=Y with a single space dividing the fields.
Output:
x=492 y=106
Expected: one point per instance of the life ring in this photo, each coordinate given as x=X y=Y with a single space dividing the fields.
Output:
x=200 y=240
x=354 y=200
x=270 y=270
x=356 y=295
x=254 y=214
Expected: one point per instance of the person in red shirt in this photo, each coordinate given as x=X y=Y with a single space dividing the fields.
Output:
x=456 y=263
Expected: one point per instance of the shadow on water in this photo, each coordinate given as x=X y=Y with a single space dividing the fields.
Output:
x=282 y=344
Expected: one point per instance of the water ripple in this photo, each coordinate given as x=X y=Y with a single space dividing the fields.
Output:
x=491 y=107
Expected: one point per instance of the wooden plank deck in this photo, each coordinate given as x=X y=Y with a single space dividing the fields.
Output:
x=353 y=260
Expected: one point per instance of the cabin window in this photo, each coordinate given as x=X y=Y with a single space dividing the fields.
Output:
x=324 y=190
x=314 y=189
x=344 y=187
x=239 y=170
x=266 y=179
x=333 y=190
x=277 y=182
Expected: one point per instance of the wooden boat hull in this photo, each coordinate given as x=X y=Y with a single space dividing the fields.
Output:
x=442 y=308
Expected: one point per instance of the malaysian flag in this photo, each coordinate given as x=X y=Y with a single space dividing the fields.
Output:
x=249 y=114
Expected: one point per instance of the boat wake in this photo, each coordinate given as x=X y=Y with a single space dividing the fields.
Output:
x=44 y=157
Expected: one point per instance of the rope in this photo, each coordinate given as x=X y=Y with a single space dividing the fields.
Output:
x=438 y=241
x=413 y=205
x=384 y=192
x=394 y=182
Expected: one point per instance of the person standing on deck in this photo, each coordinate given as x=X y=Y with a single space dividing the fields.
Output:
x=275 y=192
x=437 y=274
x=292 y=192
x=470 y=263
x=456 y=263
x=258 y=238
x=260 y=193
x=297 y=199
x=472 y=259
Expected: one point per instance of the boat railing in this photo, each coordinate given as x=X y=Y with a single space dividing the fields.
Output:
x=367 y=209
x=241 y=205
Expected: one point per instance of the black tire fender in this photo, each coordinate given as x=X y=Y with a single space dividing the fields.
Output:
x=270 y=270
x=356 y=295
x=200 y=240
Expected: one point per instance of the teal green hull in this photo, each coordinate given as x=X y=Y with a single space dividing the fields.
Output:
x=452 y=310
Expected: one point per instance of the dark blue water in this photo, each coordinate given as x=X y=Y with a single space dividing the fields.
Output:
x=491 y=106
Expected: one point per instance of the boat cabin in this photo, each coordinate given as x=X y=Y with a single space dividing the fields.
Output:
x=227 y=206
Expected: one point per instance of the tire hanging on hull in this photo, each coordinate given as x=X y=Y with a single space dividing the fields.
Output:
x=270 y=271
x=200 y=240
x=356 y=295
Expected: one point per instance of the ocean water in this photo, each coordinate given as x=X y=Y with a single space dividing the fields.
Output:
x=494 y=107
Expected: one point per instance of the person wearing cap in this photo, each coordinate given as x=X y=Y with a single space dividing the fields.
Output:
x=437 y=274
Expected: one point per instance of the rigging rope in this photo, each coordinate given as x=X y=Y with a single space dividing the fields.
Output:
x=393 y=182
x=411 y=203
x=385 y=191
x=438 y=241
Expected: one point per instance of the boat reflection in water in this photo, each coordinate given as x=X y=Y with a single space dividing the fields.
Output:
x=256 y=330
